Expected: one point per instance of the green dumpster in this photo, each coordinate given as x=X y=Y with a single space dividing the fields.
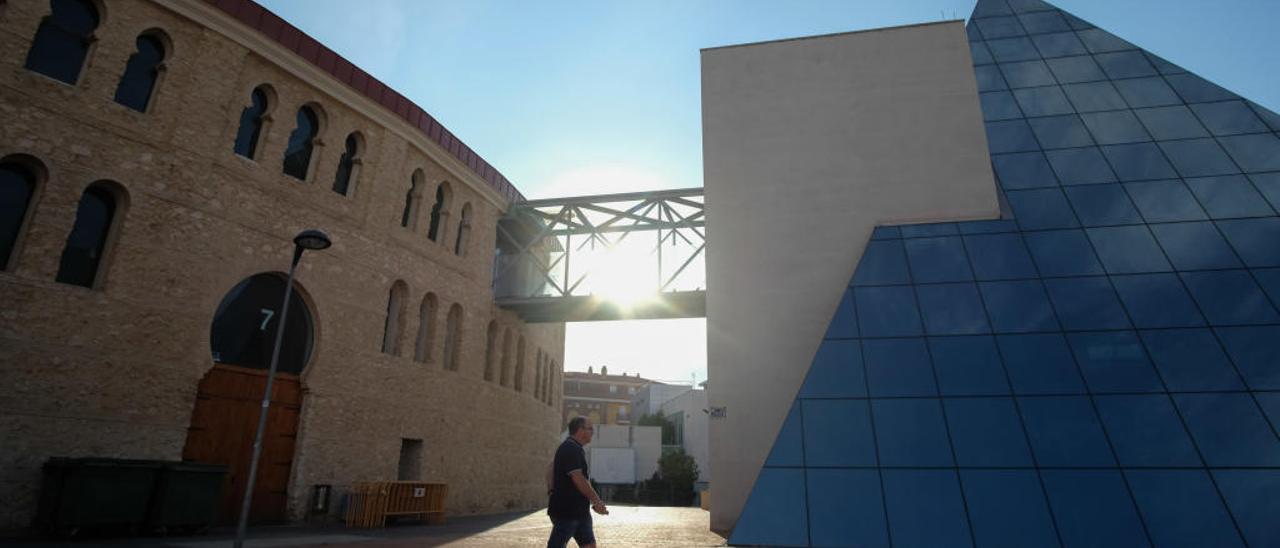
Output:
x=95 y=492
x=187 y=496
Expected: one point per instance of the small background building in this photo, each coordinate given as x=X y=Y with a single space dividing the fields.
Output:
x=603 y=398
x=688 y=411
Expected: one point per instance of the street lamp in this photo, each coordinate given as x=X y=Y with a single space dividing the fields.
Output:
x=307 y=239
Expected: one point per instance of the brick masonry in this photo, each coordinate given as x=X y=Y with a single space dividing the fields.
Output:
x=112 y=371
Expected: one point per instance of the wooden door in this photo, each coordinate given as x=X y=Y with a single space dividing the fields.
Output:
x=222 y=429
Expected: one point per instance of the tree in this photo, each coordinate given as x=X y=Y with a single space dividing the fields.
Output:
x=668 y=427
x=679 y=471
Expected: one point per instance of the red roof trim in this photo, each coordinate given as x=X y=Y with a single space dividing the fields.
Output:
x=293 y=39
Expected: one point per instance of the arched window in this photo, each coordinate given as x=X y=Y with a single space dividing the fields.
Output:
x=348 y=166
x=426 y=329
x=408 y=218
x=87 y=244
x=62 y=42
x=17 y=187
x=394 y=321
x=537 y=375
x=507 y=356
x=244 y=327
x=519 y=382
x=452 y=337
x=464 y=230
x=138 y=84
x=252 y=119
x=551 y=387
x=440 y=211
x=490 y=349
x=297 y=155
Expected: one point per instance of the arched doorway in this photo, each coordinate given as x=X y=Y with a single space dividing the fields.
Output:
x=229 y=396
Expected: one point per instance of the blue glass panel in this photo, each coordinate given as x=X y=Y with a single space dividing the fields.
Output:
x=1230 y=297
x=911 y=432
x=1027 y=74
x=844 y=324
x=837 y=433
x=1070 y=70
x=1059 y=44
x=1229 y=196
x=999 y=27
x=1157 y=300
x=1040 y=364
x=1182 y=509
x=1229 y=429
x=989 y=78
x=925 y=509
x=1255 y=240
x=1255 y=153
x=987 y=432
x=1269 y=279
x=1175 y=122
x=973 y=33
x=1102 y=205
x=998 y=105
x=1007 y=509
x=1094 y=96
x=787 y=446
x=952 y=309
x=1025 y=6
x=1062 y=253
x=1080 y=166
x=1195 y=246
x=1012 y=49
x=836 y=372
x=1042 y=22
x=775 y=511
x=1060 y=132
x=967 y=366
x=929 y=230
x=990 y=8
x=898 y=367
x=1045 y=101
x=997 y=226
x=1076 y=22
x=1086 y=304
x=1116 y=127
x=1093 y=509
x=1268 y=117
x=1191 y=360
x=1128 y=250
x=1101 y=41
x=1125 y=64
x=1065 y=432
x=1270 y=404
x=1138 y=162
x=1269 y=185
x=886 y=233
x=1194 y=89
x=1018 y=306
x=999 y=257
x=1251 y=496
x=1041 y=209
x=1198 y=157
x=883 y=262
x=1229 y=118
x=1165 y=201
x=980 y=54
x=887 y=311
x=1256 y=353
x=1146 y=431
x=1162 y=65
x=1010 y=136
x=1114 y=362
x=1146 y=92
x=846 y=508
x=938 y=260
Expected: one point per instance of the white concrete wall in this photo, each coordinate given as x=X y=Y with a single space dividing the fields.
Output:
x=807 y=145
x=691 y=406
x=647 y=441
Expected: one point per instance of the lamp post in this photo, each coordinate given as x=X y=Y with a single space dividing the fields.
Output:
x=307 y=239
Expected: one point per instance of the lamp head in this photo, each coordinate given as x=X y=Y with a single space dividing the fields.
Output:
x=312 y=239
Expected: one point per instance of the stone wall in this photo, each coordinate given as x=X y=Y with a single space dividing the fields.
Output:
x=112 y=371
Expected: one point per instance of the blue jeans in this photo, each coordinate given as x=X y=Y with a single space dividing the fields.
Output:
x=578 y=529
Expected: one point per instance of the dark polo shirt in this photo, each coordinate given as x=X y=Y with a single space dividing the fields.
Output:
x=566 y=502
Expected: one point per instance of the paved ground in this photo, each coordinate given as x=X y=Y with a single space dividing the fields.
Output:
x=624 y=526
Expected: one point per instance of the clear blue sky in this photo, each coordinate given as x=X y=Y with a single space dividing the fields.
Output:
x=588 y=97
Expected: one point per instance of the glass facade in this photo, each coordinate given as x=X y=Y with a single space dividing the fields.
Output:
x=1099 y=368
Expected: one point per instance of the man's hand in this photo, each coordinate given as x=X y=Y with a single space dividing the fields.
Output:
x=599 y=507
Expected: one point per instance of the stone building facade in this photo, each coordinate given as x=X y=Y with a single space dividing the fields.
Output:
x=113 y=369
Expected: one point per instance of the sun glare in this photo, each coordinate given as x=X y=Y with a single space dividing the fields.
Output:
x=624 y=274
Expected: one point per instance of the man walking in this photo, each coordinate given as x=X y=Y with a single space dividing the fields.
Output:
x=570 y=489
